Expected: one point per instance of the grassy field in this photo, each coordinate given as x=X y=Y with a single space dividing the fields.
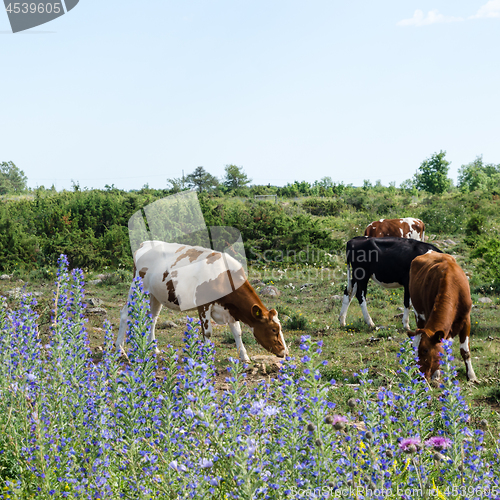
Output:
x=309 y=303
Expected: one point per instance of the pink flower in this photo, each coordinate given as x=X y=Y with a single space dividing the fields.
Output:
x=438 y=443
x=410 y=445
x=339 y=422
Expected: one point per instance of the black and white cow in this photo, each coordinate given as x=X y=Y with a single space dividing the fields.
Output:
x=387 y=261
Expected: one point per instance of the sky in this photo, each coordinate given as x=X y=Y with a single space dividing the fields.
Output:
x=133 y=93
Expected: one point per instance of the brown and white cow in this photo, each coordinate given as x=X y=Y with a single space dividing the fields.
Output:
x=407 y=227
x=183 y=277
x=440 y=295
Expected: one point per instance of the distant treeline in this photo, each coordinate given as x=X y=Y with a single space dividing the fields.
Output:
x=91 y=226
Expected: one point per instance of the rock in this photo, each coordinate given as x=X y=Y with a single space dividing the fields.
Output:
x=256 y=282
x=449 y=242
x=224 y=387
x=167 y=324
x=484 y=300
x=360 y=426
x=265 y=358
x=94 y=302
x=400 y=315
x=263 y=369
x=15 y=293
x=94 y=282
x=103 y=276
x=400 y=308
x=305 y=285
x=274 y=367
x=5 y=277
x=37 y=294
x=20 y=281
x=337 y=297
x=270 y=291
x=96 y=310
x=98 y=349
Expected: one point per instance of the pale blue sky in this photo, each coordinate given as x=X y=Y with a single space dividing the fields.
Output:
x=128 y=93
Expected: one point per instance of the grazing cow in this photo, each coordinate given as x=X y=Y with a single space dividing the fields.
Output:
x=407 y=227
x=440 y=295
x=210 y=281
x=387 y=261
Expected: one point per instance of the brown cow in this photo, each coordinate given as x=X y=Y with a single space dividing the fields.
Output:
x=407 y=227
x=440 y=294
x=183 y=277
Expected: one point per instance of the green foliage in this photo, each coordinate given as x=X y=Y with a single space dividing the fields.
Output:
x=319 y=206
x=444 y=217
x=408 y=186
x=489 y=249
x=12 y=180
x=296 y=322
x=177 y=184
x=433 y=174
x=235 y=177
x=201 y=180
x=325 y=187
x=474 y=228
x=476 y=175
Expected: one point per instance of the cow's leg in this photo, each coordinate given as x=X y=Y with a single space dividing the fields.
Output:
x=406 y=312
x=205 y=315
x=420 y=319
x=465 y=351
x=236 y=331
x=349 y=293
x=155 y=306
x=122 y=330
x=361 y=296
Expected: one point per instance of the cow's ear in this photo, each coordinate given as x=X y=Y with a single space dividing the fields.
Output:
x=412 y=334
x=256 y=311
x=273 y=313
x=438 y=337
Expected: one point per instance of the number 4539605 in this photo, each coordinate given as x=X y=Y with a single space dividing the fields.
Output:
x=32 y=8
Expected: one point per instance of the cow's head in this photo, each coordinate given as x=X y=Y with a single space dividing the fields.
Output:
x=430 y=349
x=267 y=331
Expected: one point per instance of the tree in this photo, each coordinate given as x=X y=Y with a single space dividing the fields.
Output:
x=12 y=180
x=235 y=177
x=408 y=186
x=177 y=184
x=433 y=174
x=476 y=175
x=201 y=180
